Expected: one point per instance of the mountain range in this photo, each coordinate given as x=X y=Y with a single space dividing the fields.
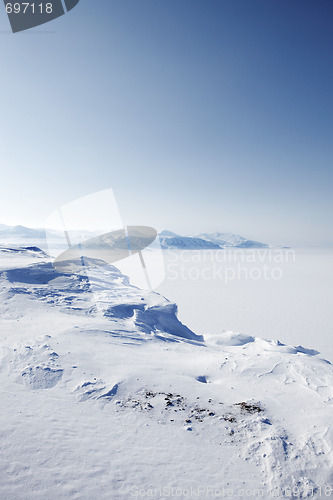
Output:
x=202 y=241
x=168 y=239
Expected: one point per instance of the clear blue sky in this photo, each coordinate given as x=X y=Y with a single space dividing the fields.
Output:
x=201 y=115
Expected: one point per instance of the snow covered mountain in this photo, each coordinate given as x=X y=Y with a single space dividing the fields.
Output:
x=168 y=239
x=207 y=241
x=20 y=232
x=231 y=240
x=173 y=240
x=105 y=394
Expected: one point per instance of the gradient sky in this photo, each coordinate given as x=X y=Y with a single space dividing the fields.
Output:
x=201 y=115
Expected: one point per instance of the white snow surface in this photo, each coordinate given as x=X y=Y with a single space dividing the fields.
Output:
x=107 y=395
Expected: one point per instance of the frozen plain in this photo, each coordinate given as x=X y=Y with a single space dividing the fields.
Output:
x=296 y=308
x=123 y=401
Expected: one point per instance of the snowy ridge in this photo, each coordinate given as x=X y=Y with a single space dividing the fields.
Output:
x=118 y=396
x=33 y=251
x=106 y=293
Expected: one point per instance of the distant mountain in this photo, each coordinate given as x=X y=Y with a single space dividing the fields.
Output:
x=168 y=239
x=14 y=233
x=231 y=240
x=20 y=232
x=173 y=240
x=207 y=241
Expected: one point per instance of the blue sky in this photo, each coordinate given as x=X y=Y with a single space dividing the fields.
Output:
x=201 y=115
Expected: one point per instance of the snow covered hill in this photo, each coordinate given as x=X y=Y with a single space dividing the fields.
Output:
x=106 y=395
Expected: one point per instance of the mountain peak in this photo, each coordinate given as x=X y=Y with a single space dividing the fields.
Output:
x=168 y=234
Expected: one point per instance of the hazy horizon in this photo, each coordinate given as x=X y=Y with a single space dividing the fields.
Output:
x=309 y=244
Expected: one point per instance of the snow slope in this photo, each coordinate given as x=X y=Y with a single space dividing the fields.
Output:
x=106 y=395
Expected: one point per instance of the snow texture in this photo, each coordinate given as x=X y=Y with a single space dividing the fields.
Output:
x=106 y=395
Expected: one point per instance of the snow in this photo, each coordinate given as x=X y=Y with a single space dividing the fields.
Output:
x=106 y=395
x=295 y=308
